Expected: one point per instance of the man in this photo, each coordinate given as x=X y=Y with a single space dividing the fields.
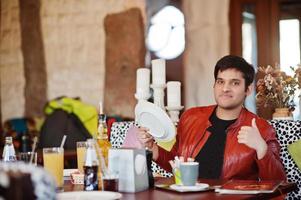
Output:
x=227 y=140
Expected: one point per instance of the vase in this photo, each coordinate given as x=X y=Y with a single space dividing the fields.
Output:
x=282 y=114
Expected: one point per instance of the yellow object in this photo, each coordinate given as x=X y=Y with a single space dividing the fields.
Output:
x=177 y=175
x=102 y=135
x=81 y=152
x=54 y=163
x=104 y=145
x=295 y=150
x=167 y=145
x=86 y=113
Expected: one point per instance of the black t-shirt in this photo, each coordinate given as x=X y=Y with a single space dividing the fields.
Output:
x=211 y=156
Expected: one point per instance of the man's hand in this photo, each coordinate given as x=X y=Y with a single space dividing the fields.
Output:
x=250 y=136
x=147 y=141
x=145 y=138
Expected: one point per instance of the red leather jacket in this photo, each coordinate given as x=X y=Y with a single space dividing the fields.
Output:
x=240 y=161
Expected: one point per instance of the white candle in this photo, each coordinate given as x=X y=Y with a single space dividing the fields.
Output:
x=173 y=93
x=100 y=108
x=143 y=81
x=158 y=72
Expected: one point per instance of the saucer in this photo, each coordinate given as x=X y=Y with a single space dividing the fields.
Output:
x=85 y=195
x=194 y=188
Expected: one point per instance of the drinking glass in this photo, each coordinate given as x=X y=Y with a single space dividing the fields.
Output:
x=110 y=181
x=54 y=163
x=81 y=152
x=25 y=156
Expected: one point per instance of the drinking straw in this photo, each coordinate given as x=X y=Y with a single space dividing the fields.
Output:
x=63 y=141
x=172 y=164
x=100 y=108
x=177 y=161
x=35 y=139
x=102 y=161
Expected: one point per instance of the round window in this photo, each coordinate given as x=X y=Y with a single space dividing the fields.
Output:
x=166 y=34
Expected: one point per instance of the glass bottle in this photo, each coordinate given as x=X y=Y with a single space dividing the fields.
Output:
x=102 y=134
x=25 y=143
x=91 y=167
x=9 y=154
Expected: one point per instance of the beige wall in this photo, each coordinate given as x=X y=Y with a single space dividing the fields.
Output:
x=73 y=38
x=207 y=40
x=74 y=41
x=74 y=45
x=11 y=61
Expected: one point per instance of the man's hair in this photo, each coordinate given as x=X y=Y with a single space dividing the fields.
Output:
x=238 y=63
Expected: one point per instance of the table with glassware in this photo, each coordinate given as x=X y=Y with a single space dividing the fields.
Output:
x=161 y=193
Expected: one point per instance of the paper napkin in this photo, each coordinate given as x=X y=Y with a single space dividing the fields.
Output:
x=131 y=139
x=167 y=145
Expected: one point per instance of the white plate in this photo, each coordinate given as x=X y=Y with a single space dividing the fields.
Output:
x=85 y=195
x=196 y=187
x=153 y=117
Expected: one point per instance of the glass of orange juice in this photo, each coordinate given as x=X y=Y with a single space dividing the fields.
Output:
x=81 y=152
x=54 y=163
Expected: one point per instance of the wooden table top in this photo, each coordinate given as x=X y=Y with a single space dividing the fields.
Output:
x=155 y=193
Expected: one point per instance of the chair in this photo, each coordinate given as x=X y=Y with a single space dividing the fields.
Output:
x=19 y=127
x=118 y=132
x=287 y=132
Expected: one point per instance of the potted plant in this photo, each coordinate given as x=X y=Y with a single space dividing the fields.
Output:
x=276 y=89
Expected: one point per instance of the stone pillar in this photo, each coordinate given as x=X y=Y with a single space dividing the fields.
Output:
x=0 y=78
x=34 y=58
x=125 y=52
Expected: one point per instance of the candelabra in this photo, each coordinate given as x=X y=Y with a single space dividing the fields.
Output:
x=142 y=96
x=174 y=112
x=159 y=94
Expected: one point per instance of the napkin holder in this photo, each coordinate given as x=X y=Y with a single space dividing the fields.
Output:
x=131 y=166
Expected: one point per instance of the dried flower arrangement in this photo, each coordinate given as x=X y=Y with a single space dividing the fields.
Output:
x=276 y=88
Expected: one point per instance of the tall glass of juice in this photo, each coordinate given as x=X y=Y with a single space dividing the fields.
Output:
x=54 y=163
x=81 y=152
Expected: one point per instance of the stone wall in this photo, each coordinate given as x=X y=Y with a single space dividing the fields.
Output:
x=74 y=48
x=34 y=57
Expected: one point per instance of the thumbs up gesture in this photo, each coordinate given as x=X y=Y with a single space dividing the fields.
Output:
x=250 y=136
